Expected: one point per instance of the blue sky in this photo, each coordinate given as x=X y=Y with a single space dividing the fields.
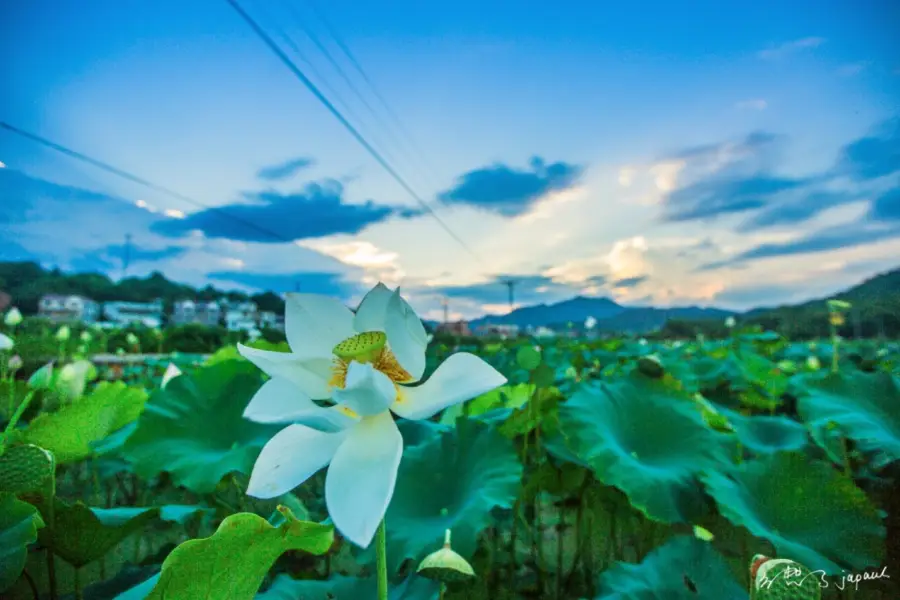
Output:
x=669 y=153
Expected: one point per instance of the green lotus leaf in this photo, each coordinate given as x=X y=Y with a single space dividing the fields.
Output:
x=642 y=437
x=78 y=535
x=140 y=591
x=450 y=482
x=764 y=434
x=507 y=396
x=70 y=431
x=865 y=406
x=339 y=587
x=233 y=562
x=684 y=568
x=19 y=524
x=24 y=468
x=194 y=428
x=810 y=512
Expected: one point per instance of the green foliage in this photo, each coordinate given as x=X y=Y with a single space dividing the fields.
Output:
x=233 y=562
x=24 y=468
x=19 y=524
x=452 y=481
x=194 y=428
x=69 y=432
x=809 y=511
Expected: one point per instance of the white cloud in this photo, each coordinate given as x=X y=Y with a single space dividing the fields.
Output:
x=753 y=104
x=626 y=176
x=666 y=174
x=787 y=48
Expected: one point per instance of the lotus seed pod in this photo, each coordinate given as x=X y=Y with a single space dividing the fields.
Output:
x=24 y=468
x=813 y=363
x=838 y=305
x=63 y=333
x=836 y=319
x=782 y=579
x=41 y=379
x=445 y=565
x=15 y=363
x=702 y=533
x=13 y=317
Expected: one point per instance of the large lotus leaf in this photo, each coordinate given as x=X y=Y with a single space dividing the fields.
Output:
x=684 y=568
x=120 y=585
x=865 y=407
x=19 y=524
x=764 y=434
x=642 y=437
x=450 y=482
x=810 y=512
x=194 y=428
x=339 y=587
x=140 y=591
x=234 y=560
x=69 y=432
x=78 y=535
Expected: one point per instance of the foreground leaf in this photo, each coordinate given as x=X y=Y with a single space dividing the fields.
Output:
x=234 y=560
x=810 y=512
x=24 y=468
x=19 y=524
x=195 y=430
x=69 y=432
x=338 y=588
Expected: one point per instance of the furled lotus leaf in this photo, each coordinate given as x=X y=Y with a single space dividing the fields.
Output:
x=646 y=440
x=866 y=408
x=809 y=511
x=195 y=429
x=685 y=568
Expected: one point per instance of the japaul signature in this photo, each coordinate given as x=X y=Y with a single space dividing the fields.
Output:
x=794 y=576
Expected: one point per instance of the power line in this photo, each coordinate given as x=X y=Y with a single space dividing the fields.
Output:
x=347 y=125
x=356 y=64
x=139 y=180
x=343 y=75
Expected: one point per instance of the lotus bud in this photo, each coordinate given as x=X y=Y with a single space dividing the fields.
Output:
x=813 y=363
x=15 y=363
x=171 y=373
x=63 y=333
x=445 y=565
x=590 y=323
x=132 y=339
x=13 y=317
x=730 y=322
x=6 y=342
x=120 y=352
x=85 y=336
x=41 y=379
x=642 y=342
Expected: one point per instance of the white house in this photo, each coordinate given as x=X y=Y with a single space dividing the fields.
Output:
x=268 y=319
x=61 y=308
x=241 y=316
x=203 y=313
x=148 y=314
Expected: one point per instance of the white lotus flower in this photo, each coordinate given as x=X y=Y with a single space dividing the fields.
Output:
x=363 y=362
x=6 y=342
x=590 y=323
x=730 y=322
x=13 y=317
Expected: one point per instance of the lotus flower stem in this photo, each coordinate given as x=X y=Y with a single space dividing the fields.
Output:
x=51 y=524
x=381 y=554
x=76 y=582
x=13 y=421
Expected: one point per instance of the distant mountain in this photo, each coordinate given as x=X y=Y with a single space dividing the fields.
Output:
x=611 y=317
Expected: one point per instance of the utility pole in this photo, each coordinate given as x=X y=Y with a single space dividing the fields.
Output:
x=126 y=254
x=511 y=284
x=446 y=304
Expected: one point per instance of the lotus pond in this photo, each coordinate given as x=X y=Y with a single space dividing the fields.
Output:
x=608 y=469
